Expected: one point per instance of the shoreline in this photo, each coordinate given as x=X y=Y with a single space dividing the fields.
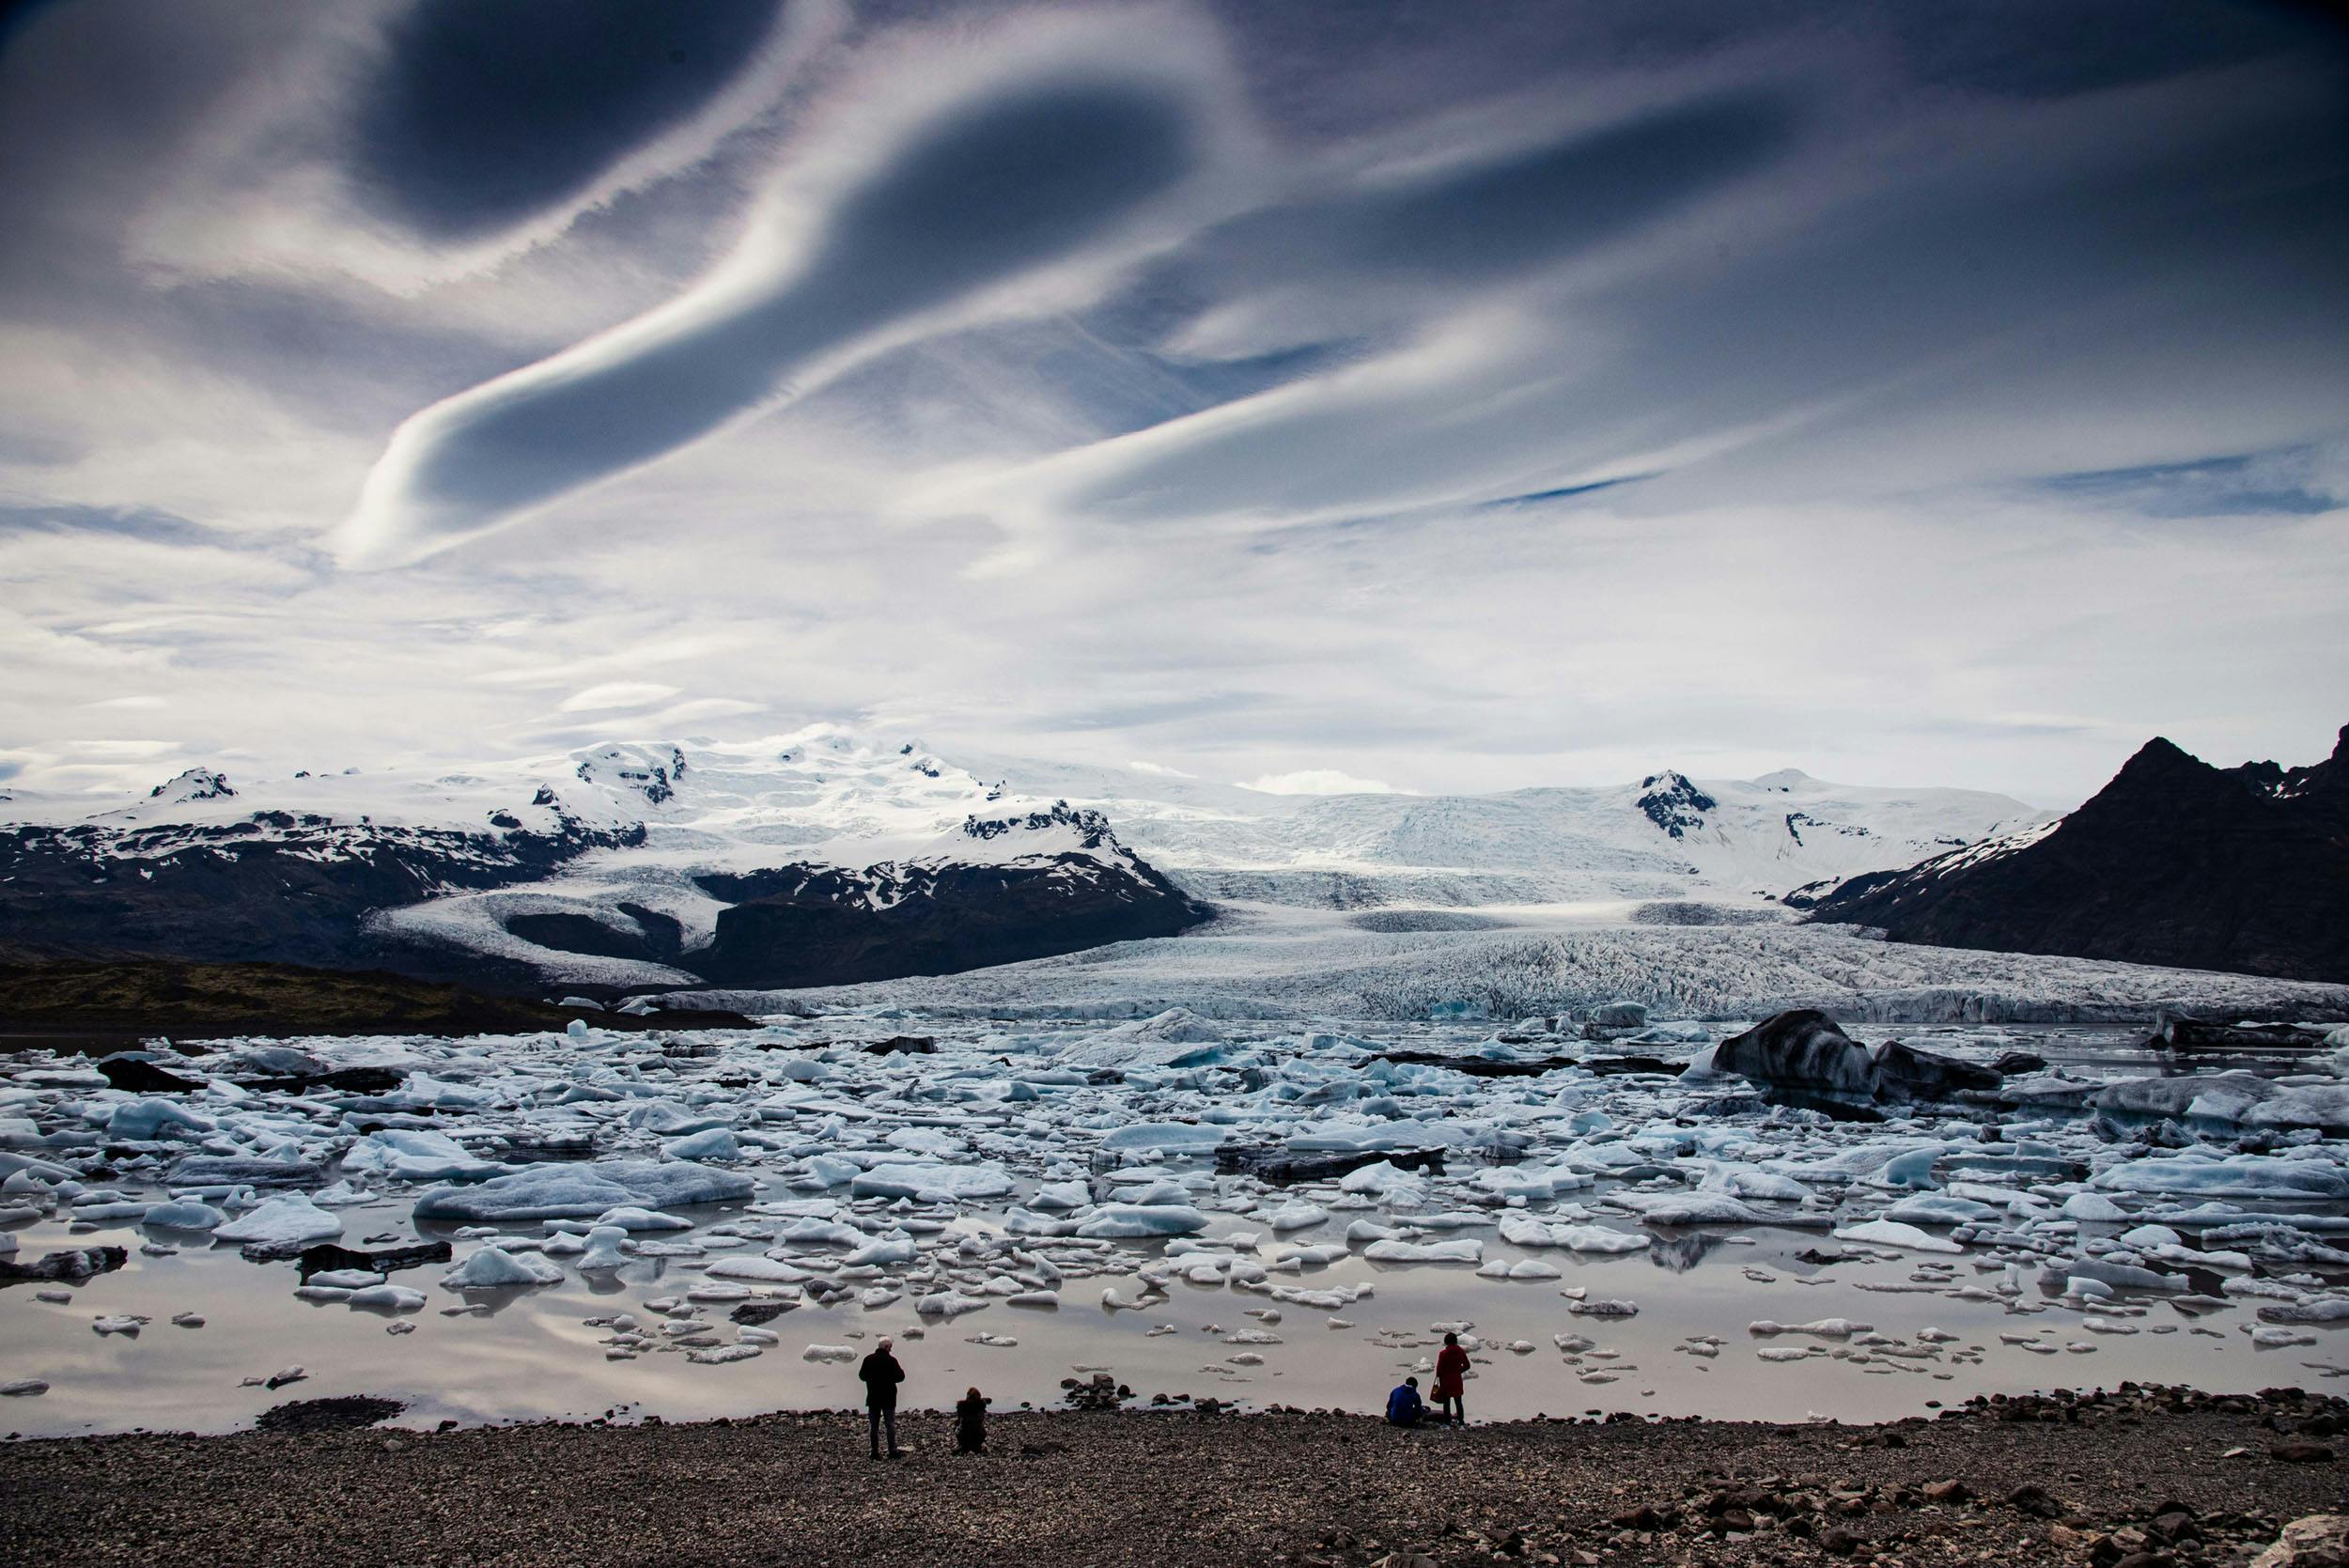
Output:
x=2113 y=1473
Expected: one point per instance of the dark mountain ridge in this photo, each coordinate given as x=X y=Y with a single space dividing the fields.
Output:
x=2176 y=862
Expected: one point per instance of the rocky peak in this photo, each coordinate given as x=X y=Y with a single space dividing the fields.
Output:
x=656 y=780
x=196 y=784
x=1673 y=803
x=1093 y=828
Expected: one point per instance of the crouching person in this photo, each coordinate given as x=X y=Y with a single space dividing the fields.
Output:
x=1403 y=1406
x=971 y=1423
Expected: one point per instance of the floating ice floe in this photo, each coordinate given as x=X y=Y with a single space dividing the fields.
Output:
x=1461 y=1250
x=493 y=1267
x=584 y=1190
x=1137 y=1221
x=929 y=1181
x=1893 y=1232
x=287 y=1218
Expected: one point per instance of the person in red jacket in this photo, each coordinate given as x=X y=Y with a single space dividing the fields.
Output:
x=1452 y=1366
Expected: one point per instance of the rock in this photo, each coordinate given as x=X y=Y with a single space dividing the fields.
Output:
x=1836 y=1541
x=2300 y=1454
x=2083 y=1542
x=2035 y=1502
x=2315 y=1541
x=1948 y=1491
x=2013 y=1063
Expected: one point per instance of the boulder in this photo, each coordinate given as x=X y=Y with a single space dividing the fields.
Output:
x=2318 y=1539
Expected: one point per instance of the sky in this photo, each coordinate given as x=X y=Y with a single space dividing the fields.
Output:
x=1317 y=392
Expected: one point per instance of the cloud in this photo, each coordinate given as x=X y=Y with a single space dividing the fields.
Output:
x=1317 y=780
x=617 y=695
x=701 y=711
x=138 y=522
x=481 y=114
x=407 y=142
x=2287 y=483
x=1025 y=165
x=1906 y=321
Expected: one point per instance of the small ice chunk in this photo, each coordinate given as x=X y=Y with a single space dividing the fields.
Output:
x=291 y=1216
x=493 y=1267
x=1893 y=1232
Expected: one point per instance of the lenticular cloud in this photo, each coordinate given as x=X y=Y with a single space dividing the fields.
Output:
x=1000 y=178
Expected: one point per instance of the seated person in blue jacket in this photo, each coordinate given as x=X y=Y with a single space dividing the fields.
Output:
x=1404 y=1407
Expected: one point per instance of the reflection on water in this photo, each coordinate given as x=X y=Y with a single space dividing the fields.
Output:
x=527 y=1354
x=1681 y=1252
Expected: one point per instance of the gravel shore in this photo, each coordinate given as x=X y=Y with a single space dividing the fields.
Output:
x=2153 y=1476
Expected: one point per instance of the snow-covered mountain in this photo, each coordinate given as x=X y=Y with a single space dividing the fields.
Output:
x=819 y=857
x=1665 y=837
x=831 y=856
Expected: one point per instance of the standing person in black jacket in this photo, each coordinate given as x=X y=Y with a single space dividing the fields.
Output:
x=882 y=1374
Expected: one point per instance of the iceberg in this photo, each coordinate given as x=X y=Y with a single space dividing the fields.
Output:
x=2233 y=1176
x=289 y=1218
x=1893 y=1232
x=582 y=1192
x=1166 y=1135
x=493 y=1267
x=417 y=1156
x=1463 y=1249
x=929 y=1180
x=1113 y=1221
